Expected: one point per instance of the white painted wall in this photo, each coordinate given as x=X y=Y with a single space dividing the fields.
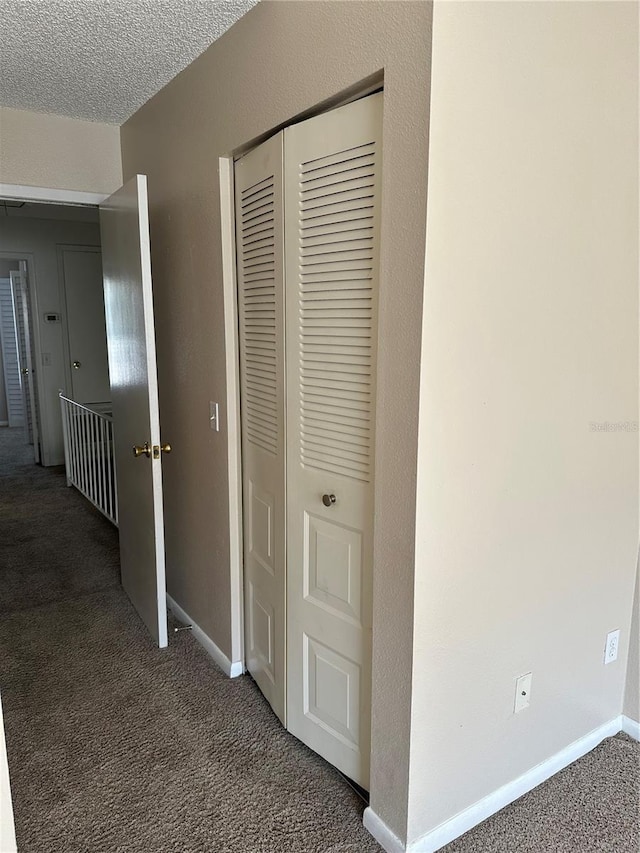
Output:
x=51 y=151
x=527 y=519
x=36 y=240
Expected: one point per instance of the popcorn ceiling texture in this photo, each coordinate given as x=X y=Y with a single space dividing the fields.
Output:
x=102 y=59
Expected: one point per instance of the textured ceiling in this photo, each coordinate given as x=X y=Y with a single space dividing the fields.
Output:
x=102 y=59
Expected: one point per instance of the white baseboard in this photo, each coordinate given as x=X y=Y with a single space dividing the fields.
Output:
x=489 y=805
x=630 y=727
x=381 y=832
x=232 y=669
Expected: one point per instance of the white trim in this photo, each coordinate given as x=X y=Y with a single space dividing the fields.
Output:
x=53 y=196
x=7 y=827
x=234 y=460
x=630 y=727
x=231 y=669
x=381 y=832
x=489 y=805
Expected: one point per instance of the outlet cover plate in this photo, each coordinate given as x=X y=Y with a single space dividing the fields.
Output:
x=523 y=692
x=611 y=647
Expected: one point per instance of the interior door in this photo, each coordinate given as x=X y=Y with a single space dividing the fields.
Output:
x=332 y=200
x=82 y=276
x=20 y=288
x=259 y=229
x=128 y=301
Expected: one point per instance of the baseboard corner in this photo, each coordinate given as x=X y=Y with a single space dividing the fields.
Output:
x=630 y=727
x=497 y=800
x=381 y=832
x=233 y=670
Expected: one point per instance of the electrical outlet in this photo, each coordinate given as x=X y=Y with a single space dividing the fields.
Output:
x=46 y=359
x=214 y=416
x=523 y=692
x=611 y=647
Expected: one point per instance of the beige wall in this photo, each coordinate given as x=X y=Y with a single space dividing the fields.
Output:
x=279 y=61
x=527 y=520
x=41 y=150
x=37 y=240
x=632 y=690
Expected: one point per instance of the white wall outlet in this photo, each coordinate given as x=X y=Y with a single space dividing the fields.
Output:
x=611 y=647
x=523 y=692
x=46 y=359
x=214 y=416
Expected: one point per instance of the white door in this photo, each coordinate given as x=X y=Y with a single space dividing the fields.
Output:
x=258 y=180
x=308 y=362
x=82 y=277
x=128 y=300
x=20 y=288
x=332 y=202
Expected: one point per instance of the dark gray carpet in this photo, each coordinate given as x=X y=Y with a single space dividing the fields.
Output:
x=116 y=747
x=593 y=806
x=53 y=544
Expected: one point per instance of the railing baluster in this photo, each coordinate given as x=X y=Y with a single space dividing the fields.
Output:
x=100 y=425
x=116 y=509
x=110 y=470
x=76 y=444
x=91 y=456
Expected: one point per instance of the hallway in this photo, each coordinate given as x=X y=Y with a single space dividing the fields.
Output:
x=114 y=745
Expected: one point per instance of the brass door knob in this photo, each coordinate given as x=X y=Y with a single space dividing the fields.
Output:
x=145 y=450
x=25 y=371
x=165 y=448
x=328 y=500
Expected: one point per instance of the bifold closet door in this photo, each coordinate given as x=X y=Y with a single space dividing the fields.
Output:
x=259 y=240
x=332 y=213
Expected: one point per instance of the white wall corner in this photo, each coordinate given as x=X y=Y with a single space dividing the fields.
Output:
x=631 y=727
x=489 y=805
x=230 y=668
x=381 y=832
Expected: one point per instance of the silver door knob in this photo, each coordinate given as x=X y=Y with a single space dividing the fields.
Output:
x=328 y=500
x=25 y=371
x=77 y=365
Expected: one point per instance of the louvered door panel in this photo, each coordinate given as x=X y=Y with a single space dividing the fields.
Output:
x=10 y=356
x=259 y=241
x=332 y=201
x=22 y=336
x=336 y=301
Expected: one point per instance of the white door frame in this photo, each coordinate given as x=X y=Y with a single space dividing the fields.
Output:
x=234 y=439
x=50 y=195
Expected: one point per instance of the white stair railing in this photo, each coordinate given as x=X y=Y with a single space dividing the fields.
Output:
x=88 y=453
